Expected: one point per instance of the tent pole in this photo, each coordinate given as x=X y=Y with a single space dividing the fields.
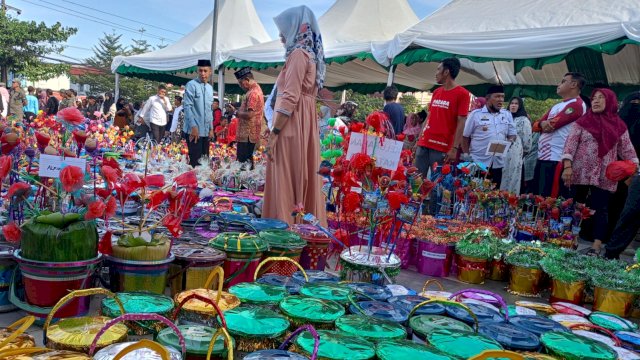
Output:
x=214 y=37
x=391 y=76
x=117 y=87
x=221 y=86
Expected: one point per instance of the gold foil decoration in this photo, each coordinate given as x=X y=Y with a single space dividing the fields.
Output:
x=525 y=282
x=613 y=301
x=471 y=270
x=572 y=292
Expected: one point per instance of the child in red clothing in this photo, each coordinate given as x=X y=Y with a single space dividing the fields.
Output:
x=225 y=132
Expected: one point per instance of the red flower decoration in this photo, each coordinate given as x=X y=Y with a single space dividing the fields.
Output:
x=360 y=161
x=356 y=127
x=156 y=180
x=555 y=213
x=376 y=120
x=8 y=142
x=188 y=179
x=105 y=246
x=43 y=140
x=396 y=199
x=426 y=187
x=400 y=137
x=157 y=198
x=446 y=169
x=19 y=191
x=465 y=170
x=103 y=193
x=399 y=174
x=131 y=182
x=111 y=162
x=351 y=202
x=71 y=178
x=109 y=174
x=110 y=209
x=95 y=210
x=172 y=223
x=71 y=116
x=6 y=164
x=12 y=232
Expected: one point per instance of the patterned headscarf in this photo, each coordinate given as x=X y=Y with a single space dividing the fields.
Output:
x=299 y=27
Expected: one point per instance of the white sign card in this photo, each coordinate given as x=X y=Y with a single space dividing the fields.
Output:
x=50 y=165
x=498 y=148
x=387 y=153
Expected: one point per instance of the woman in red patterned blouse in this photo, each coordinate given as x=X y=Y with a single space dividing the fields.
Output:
x=596 y=140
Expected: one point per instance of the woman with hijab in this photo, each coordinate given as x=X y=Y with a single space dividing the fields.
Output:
x=411 y=131
x=512 y=173
x=293 y=149
x=108 y=107
x=597 y=139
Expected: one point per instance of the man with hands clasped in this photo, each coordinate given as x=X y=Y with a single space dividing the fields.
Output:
x=198 y=113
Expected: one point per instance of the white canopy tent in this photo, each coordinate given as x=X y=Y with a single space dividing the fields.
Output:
x=521 y=42
x=238 y=26
x=349 y=30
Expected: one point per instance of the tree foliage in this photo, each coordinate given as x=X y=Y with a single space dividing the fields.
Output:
x=366 y=103
x=108 y=47
x=537 y=108
x=25 y=43
x=410 y=103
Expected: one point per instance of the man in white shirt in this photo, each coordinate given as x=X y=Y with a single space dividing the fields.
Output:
x=489 y=124
x=178 y=121
x=155 y=110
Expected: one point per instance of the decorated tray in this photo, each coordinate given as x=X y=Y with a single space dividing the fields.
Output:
x=257 y=293
x=408 y=302
x=316 y=276
x=291 y=284
x=375 y=292
x=337 y=346
x=369 y=328
x=303 y=310
x=570 y=346
x=463 y=344
x=405 y=349
x=327 y=291
x=380 y=310
x=423 y=325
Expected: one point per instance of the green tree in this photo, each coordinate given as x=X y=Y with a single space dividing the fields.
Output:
x=25 y=43
x=409 y=103
x=537 y=108
x=108 y=47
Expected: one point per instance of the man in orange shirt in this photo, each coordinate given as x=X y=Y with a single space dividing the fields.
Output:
x=249 y=116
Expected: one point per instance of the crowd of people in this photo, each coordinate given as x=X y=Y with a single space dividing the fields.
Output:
x=565 y=153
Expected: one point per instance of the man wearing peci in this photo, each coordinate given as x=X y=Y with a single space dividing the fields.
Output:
x=198 y=113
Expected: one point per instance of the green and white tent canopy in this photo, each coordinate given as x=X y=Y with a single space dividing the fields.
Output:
x=350 y=28
x=238 y=26
x=526 y=44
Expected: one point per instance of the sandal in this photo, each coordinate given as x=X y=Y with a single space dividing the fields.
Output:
x=593 y=252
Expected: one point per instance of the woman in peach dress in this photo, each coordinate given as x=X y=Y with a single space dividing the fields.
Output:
x=293 y=149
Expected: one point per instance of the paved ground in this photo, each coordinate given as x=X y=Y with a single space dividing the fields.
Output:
x=409 y=278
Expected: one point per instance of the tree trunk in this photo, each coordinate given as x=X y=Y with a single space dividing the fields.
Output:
x=4 y=75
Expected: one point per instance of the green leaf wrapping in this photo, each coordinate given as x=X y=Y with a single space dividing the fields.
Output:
x=43 y=242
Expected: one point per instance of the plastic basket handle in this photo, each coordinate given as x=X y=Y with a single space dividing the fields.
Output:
x=498 y=298
x=279 y=258
x=613 y=336
x=632 y=267
x=138 y=317
x=18 y=327
x=74 y=294
x=203 y=299
x=219 y=272
x=4 y=354
x=494 y=354
x=144 y=344
x=432 y=281
x=227 y=340
x=300 y=330
x=447 y=302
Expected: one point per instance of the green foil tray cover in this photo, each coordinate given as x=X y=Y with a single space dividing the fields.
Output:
x=462 y=344
x=407 y=349
x=327 y=291
x=370 y=328
x=139 y=303
x=255 y=322
x=196 y=337
x=612 y=322
x=337 y=346
x=570 y=346
x=256 y=293
x=238 y=243
x=282 y=239
x=423 y=325
x=311 y=309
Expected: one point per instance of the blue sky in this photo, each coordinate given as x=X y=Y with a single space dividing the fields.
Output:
x=170 y=19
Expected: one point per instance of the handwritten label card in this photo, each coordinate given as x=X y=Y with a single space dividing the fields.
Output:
x=387 y=154
x=51 y=165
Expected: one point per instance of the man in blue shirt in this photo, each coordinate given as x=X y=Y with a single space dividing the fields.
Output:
x=393 y=109
x=31 y=109
x=197 y=106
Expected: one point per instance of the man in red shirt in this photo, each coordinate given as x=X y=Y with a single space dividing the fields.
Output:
x=441 y=139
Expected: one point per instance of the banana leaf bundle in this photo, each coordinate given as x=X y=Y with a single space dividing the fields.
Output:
x=58 y=237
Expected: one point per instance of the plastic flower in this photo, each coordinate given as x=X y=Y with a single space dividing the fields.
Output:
x=109 y=174
x=376 y=120
x=70 y=116
x=110 y=209
x=95 y=210
x=156 y=180
x=19 y=191
x=351 y=202
x=188 y=179
x=12 y=232
x=71 y=178
x=396 y=198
